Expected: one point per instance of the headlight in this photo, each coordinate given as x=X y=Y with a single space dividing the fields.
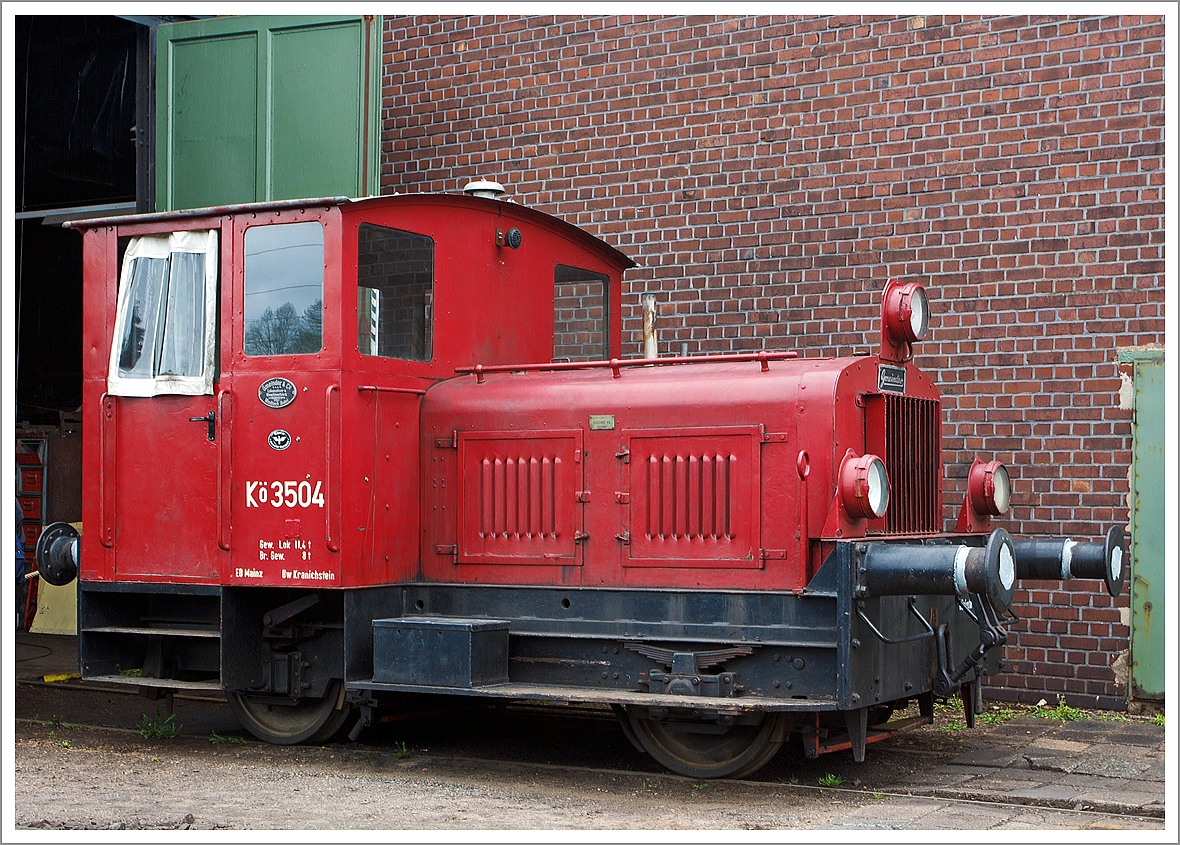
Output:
x=864 y=486
x=919 y=309
x=989 y=488
x=906 y=313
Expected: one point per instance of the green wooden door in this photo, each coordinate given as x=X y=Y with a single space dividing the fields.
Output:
x=1148 y=587
x=266 y=108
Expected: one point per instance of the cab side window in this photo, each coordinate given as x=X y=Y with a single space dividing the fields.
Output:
x=284 y=289
x=581 y=315
x=395 y=294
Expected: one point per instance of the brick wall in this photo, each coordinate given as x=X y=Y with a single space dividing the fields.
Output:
x=768 y=175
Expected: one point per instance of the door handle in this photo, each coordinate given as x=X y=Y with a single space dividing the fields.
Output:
x=211 y=419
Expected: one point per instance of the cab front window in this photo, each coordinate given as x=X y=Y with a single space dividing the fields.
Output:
x=164 y=318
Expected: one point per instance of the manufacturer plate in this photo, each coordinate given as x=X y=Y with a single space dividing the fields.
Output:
x=276 y=393
x=602 y=422
x=891 y=379
x=279 y=439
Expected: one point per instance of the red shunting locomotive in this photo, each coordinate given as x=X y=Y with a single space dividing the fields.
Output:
x=337 y=452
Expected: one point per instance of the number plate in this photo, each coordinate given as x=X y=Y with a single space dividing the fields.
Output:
x=285 y=494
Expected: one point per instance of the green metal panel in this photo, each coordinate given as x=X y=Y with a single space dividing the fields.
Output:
x=1148 y=596
x=263 y=108
x=211 y=98
x=314 y=151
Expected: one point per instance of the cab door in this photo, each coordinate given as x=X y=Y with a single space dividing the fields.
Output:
x=286 y=405
x=161 y=421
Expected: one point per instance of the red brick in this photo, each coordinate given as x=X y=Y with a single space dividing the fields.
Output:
x=768 y=173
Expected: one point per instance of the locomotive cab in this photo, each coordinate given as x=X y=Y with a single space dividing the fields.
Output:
x=252 y=382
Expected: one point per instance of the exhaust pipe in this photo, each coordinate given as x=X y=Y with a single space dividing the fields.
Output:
x=944 y=570
x=1066 y=559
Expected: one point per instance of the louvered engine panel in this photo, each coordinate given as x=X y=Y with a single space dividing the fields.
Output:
x=519 y=497
x=694 y=498
x=906 y=433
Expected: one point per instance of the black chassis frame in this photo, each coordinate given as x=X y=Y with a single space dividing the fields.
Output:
x=826 y=648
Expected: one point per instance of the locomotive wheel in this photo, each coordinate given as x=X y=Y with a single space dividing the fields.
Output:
x=741 y=750
x=312 y=720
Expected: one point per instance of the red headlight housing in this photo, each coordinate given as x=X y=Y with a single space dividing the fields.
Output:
x=989 y=493
x=905 y=319
x=989 y=488
x=864 y=487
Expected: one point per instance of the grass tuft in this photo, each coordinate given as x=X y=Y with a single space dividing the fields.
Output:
x=831 y=780
x=997 y=716
x=151 y=727
x=218 y=739
x=1062 y=712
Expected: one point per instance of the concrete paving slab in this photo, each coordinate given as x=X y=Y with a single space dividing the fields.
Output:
x=1051 y=761
x=966 y=817
x=997 y=782
x=1154 y=772
x=1114 y=749
x=1050 y=745
x=1021 y=729
x=986 y=757
x=1085 y=782
x=1052 y=792
x=1085 y=731
x=1109 y=767
x=1133 y=733
x=1120 y=800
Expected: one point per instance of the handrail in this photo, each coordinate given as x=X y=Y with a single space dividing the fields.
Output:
x=106 y=471
x=224 y=458
x=616 y=364
x=333 y=537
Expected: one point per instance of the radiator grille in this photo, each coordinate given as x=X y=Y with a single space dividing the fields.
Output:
x=908 y=435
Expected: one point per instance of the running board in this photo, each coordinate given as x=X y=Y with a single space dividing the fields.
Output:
x=166 y=683
x=581 y=695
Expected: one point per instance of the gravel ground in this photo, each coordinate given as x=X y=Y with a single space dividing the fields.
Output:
x=106 y=780
x=480 y=768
